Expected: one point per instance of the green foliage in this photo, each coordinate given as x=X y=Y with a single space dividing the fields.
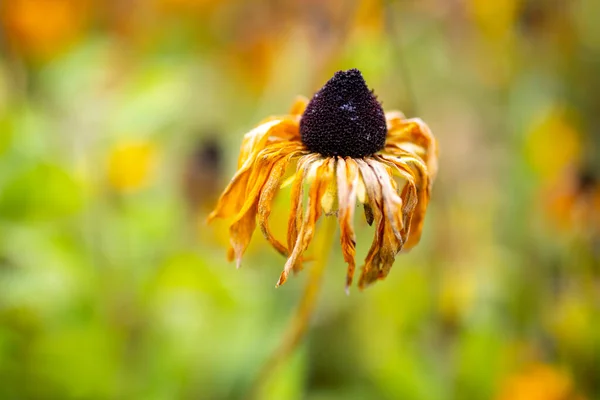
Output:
x=114 y=291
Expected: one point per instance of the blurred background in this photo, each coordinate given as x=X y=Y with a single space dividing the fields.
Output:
x=120 y=123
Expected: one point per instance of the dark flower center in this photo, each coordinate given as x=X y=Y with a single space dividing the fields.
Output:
x=344 y=118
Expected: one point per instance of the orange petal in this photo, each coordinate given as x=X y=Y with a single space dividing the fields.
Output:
x=422 y=183
x=409 y=192
x=254 y=147
x=369 y=269
x=281 y=130
x=414 y=136
x=232 y=198
x=299 y=106
x=313 y=212
x=347 y=182
x=241 y=232
x=296 y=195
x=266 y=198
x=260 y=171
x=392 y=203
x=383 y=200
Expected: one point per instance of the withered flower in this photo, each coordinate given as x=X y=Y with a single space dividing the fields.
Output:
x=344 y=148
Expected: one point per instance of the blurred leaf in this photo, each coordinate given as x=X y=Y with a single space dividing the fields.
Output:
x=42 y=192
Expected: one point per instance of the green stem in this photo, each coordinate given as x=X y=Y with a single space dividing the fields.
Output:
x=299 y=323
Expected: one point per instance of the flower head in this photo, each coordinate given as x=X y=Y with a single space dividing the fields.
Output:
x=345 y=149
x=344 y=118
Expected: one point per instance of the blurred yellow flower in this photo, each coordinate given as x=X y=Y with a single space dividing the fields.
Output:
x=538 y=382
x=552 y=143
x=131 y=165
x=40 y=28
x=495 y=19
x=457 y=295
x=572 y=322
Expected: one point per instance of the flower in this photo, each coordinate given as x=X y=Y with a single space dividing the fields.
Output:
x=41 y=29
x=344 y=149
x=131 y=165
x=539 y=382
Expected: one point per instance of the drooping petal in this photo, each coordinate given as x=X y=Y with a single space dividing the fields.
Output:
x=240 y=234
x=282 y=129
x=414 y=136
x=325 y=172
x=255 y=143
x=391 y=214
x=392 y=203
x=261 y=170
x=409 y=193
x=372 y=266
x=347 y=182
x=232 y=198
x=419 y=177
x=244 y=222
x=297 y=193
x=266 y=199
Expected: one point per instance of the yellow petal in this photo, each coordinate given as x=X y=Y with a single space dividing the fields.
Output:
x=299 y=106
x=347 y=182
x=296 y=196
x=414 y=137
x=266 y=198
x=313 y=211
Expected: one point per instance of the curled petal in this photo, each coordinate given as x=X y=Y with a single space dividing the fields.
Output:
x=244 y=223
x=409 y=194
x=420 y=178
x=232 y=198
x=241 y=233
x=266 y=199
x=243 y=194
x=392 y=203
x=347 y=182
x=374 y=262
x=295 y=218
x=413 y=135
x=299 y=106
x=254 y=148
x=284 y=129
x=313 y=211
x=260 y=172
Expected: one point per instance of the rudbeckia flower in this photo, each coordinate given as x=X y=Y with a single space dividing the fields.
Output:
x=344 y=150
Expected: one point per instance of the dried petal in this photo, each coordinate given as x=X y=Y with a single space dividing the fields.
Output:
x=299 y=106
x=253 y=150
x=392 y=203
x=313 y=211
x=347 y=181
x=414 y=136
x=418 y=172
x=266 y=199
x=297 y=194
